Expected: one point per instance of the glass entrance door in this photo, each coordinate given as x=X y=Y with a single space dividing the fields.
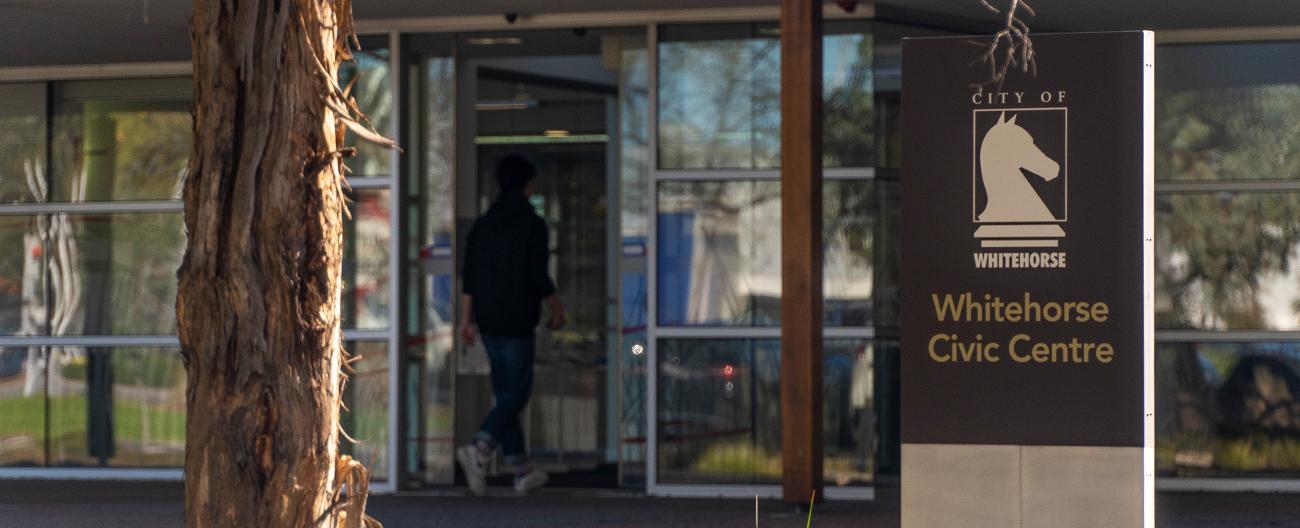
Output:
x=564 y=423
x=557 y=98
x=552 y=102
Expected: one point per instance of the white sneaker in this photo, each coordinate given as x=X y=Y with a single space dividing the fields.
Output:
x=530 y=481
x=472 y=464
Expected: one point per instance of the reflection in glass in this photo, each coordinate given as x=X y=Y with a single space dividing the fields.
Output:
x=22 y=406
x=121 y=140
x=149 y=407
x=720 y=90
x=848 y=104
x=634 y=212
x=22 y=143
x=22 y=276
x=719 y=418
x=439 y=134
x=1240 y=133
x=887 y=83
x=886 y=245
x=429 y=341
x=849 y=416
x=369 y=76
x=632 y=430
x=719 y=251
x=1228 y=261
x=1228 y=409
x=634 y=142
x=116 y=407
x=885 y=363
x=849 y=218
x=719 y=258
x=66 y=274
x=67 y=403
x=1228 y=112
x=719 y=102
x=365 y=260
x=719 y=411
x=366 y=398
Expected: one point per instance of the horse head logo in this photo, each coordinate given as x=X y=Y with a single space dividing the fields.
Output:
x=1006 y=149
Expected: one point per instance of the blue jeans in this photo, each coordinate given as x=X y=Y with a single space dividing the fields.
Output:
x=511 y=359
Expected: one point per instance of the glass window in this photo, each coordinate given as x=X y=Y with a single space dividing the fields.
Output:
x=365 y=260
x=22 y=406
x=370 y=79
x=116 y=407
x=22 y=143
x=1228 y=409
x=1228 y=261
x=429 y=342
x=850 y=210
x=719 y=418
x=719 y=252
x=849 y=412
x=719 y=257
x=719 y=413
x=634 y=223
x=634 y=142
x=88 y=274
x=720 y=96
x=439 y=133
x=848 y=104
x=120 y=140
x=366 y=398
x=886 y=311
x=1228 y=112
x=22 y=276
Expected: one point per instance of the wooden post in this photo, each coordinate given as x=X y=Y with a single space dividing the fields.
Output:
x=801 y=249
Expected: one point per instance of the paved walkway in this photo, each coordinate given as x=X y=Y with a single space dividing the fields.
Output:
x=58 y=504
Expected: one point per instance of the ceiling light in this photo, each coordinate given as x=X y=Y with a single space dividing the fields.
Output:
x=494 y=41
x=505 y=104
x=555 y=133
x=541 y=139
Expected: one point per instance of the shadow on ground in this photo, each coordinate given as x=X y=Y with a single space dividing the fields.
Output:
x=58 y=504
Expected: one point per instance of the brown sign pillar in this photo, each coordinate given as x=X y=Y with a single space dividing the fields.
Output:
x=1028 y=331
x=801 y=249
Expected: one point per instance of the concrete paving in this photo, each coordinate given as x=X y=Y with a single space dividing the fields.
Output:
x=59 y=504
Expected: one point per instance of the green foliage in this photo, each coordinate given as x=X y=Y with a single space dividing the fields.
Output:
x=849 y=132
x=1191 y=454
x=1214 y=250
x=745 y=460
x=67 y=419
x=739 y=459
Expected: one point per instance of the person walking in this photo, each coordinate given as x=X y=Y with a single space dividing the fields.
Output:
x=505 y=283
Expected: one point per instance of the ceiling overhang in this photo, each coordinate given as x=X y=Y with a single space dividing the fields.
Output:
x=65 y=32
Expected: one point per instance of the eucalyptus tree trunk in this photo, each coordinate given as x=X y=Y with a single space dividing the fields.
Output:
x=259 y=292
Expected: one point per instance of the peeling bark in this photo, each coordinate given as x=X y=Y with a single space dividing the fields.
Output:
x=259 y=288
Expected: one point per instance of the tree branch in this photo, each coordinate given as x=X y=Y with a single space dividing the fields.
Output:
x=1011 y=47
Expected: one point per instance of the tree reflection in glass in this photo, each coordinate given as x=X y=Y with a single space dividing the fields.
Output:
x=1224 y=260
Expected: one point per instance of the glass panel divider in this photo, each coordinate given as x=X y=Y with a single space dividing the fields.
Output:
x=1173 y=187
x=360 y=182
x=135 y=206
x=1235 y=336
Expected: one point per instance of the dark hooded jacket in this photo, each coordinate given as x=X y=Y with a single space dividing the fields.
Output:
x=505 y=270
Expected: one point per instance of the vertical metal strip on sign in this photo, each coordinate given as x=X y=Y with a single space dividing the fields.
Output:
x=1148 y=279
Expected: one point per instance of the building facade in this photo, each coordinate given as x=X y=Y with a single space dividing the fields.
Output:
x=656 y=134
